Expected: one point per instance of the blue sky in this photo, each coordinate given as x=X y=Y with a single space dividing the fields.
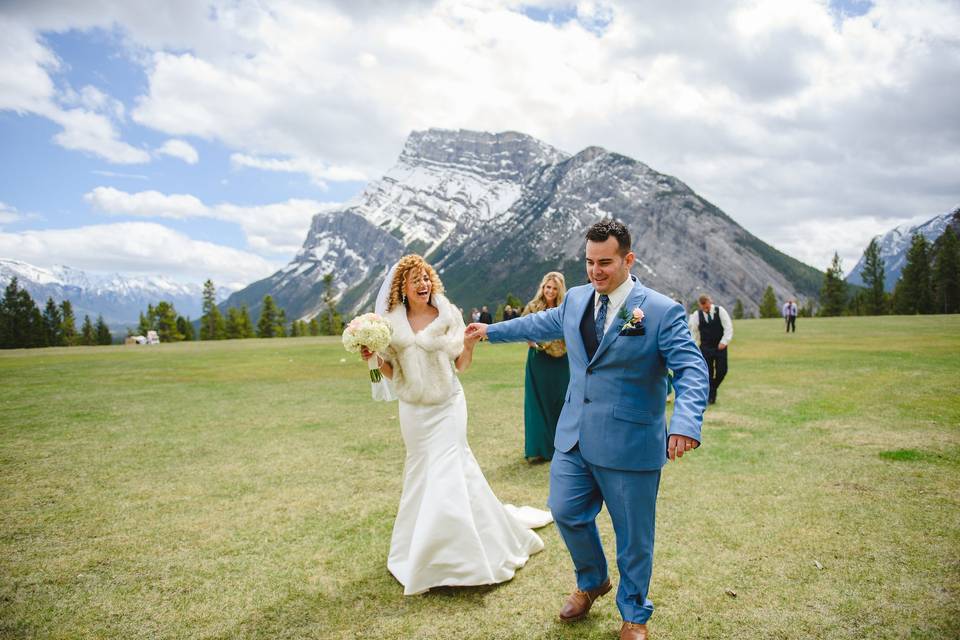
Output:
x=198 y=141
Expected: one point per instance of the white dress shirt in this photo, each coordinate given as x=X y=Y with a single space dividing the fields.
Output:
x=617 y=297
x=725 y=322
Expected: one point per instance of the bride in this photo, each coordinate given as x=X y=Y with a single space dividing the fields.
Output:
x=451 y=530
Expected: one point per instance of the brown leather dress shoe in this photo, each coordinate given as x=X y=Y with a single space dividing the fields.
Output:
x=633 y=631
x=578 y=603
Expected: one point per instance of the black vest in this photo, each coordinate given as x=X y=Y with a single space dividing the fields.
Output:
x=588 y=330
x=710 y=332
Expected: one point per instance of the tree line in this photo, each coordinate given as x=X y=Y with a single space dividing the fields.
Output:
x=928 y=283
x=24 y=326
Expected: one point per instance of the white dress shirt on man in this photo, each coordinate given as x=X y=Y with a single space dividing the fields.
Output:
x=725 y=321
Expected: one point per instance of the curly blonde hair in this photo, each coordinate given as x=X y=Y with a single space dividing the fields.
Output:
x=411 y=264
x=539 y=302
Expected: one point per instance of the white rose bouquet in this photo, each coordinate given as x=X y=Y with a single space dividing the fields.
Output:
x=370 y=331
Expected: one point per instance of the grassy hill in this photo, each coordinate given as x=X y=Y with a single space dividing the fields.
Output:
x=247 y=489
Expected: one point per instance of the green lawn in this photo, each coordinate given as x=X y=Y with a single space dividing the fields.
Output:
x=247 y=489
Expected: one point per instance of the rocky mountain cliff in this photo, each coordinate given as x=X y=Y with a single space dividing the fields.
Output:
x=119 y=298
x=493 y=212
x=895 y=243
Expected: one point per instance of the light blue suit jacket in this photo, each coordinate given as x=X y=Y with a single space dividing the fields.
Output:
x=615 y=403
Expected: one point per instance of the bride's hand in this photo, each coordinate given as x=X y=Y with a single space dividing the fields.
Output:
x=471 y=339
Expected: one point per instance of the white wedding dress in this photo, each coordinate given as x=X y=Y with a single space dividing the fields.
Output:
x=451 y=530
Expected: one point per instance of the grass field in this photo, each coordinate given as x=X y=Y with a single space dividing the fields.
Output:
x=247 y=489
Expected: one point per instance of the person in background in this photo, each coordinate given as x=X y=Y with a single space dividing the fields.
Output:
x=713 y=330
x=509 y=313
x=485 y=316
x=790 y=314
x=475 y=315
x=547 y=376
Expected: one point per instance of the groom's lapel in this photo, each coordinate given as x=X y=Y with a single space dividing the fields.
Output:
x=579 y=307
x=634 y=299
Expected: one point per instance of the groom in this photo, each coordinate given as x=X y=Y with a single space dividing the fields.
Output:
x=612 y=437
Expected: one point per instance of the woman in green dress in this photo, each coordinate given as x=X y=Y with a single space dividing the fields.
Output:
x=547 y=376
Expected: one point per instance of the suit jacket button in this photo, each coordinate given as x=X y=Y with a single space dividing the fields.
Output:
x=586 y=401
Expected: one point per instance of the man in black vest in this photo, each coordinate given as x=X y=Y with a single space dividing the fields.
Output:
x=713 y=330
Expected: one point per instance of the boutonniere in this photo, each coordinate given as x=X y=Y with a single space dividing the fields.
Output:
x=631 y=321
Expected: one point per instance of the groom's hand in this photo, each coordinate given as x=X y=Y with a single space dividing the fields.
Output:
x=677 y=445
x=477 y=329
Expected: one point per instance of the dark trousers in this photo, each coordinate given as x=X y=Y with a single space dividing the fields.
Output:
x=792 y=322
x=717 y=366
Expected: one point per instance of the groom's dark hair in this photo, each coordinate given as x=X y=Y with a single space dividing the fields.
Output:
x=607 y=227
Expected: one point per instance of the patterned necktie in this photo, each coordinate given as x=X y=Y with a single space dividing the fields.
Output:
x=602 y=316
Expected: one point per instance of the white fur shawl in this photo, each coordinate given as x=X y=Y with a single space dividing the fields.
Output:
x=422 y=363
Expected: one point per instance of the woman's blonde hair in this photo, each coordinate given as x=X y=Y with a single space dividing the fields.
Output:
x=539 y=302
x=407 y=265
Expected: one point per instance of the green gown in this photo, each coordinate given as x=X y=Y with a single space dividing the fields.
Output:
x=544 y=391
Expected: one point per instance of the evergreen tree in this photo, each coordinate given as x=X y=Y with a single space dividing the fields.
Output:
x=87 y=335
x=807 y=310
x=314 y=327
x=281 y=329
x=768 y=307
x=738 y=310
x=873 y=279
x=146 y=323
x=239 y=325
x=102 y=332
x=165 y=321
x=295 y=329
x=913 y=293
x=331 y=324
x=514 y=302
x=267 y=325
x=21 y=323
x=53 y=324
x=212 y=324
x=185 y=327
x=68 y=324
x=833 y=293
x=946 y=273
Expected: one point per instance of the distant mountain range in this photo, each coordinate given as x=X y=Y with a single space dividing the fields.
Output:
x=119 y=298
x=895 y=243
x=494 y=212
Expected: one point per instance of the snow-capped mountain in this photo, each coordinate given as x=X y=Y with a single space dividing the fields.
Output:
x=119 y=298
x=895 y=243
x=493 y=212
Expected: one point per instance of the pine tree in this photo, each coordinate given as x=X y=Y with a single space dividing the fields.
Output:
x=281 y=328
x=267 y=325
x=833 y=293
x=212 y=324
x=165 y=321
x=146 y=323
x=53 y=324
x=102 y=332
x=738 y=310
x=913 y=293
x=331 y=324
x=87 y=335
x=768 y=307
x=21 y=323
x=314 y=327
x=68 y=323
x=295 y=329
x=185 y=327
x=873 y=279
x=238 y=325
x=946 y=273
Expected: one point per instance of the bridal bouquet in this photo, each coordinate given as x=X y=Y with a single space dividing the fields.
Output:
x=370 y=331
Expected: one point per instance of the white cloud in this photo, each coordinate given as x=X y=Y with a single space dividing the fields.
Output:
x=136 y=248
x=271 y=229
x=774 y=111
x=318 y=171
x=180 y=149
x=8 y=214
x=149 y=204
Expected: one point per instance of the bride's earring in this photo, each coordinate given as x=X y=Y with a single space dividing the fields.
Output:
x=403 y=298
